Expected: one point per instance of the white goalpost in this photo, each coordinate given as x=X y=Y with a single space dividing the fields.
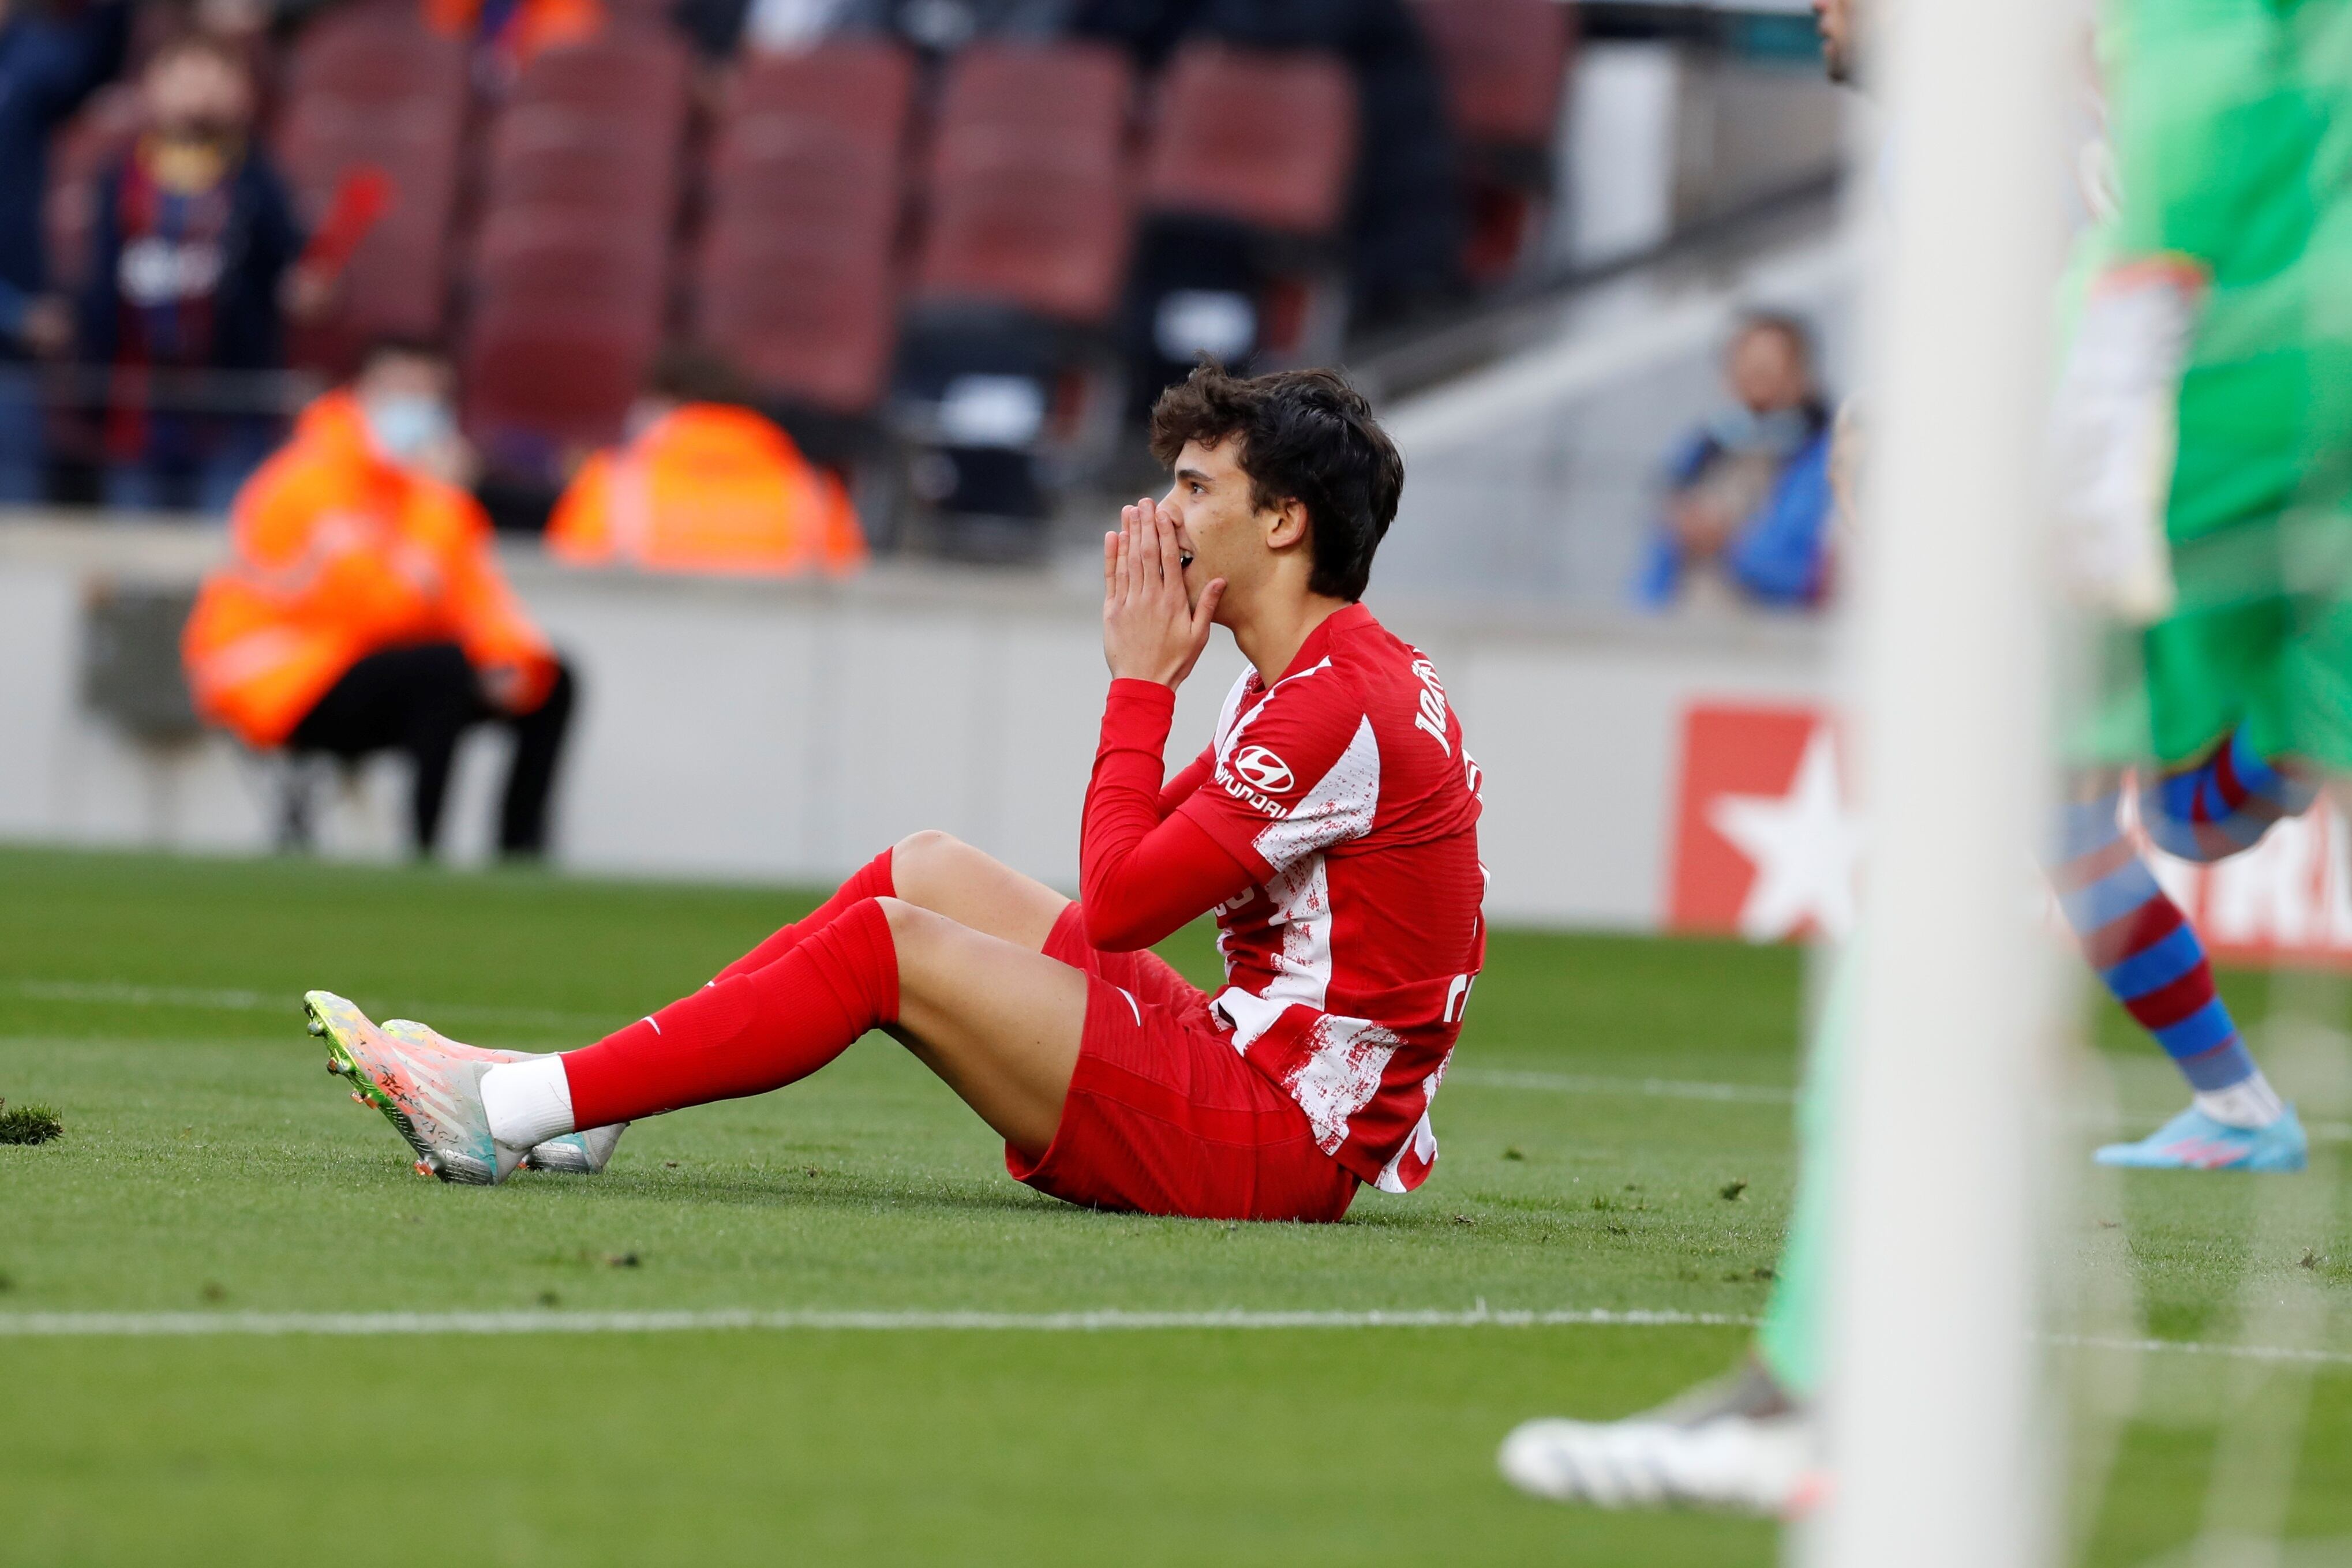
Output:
x=1931 y=1411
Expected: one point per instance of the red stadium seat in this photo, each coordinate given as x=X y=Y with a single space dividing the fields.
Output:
x=551 y=378
x=812 y=324
x=542 y=155
x=797 y=270
x=1001 y=96
x=570 y=265
x=377 y=56
x=377 y=88
x=634 y=73
x=569 y=259
x=1266 y=140
x=1502 y=62
x=1028 y=186
x=814 y=139
x=854 y=85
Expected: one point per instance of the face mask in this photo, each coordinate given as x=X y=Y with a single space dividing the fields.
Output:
x=404 y=426
x=1740 y=429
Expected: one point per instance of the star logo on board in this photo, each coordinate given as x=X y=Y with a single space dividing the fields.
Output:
x=1764 y=845
x=1803 y=844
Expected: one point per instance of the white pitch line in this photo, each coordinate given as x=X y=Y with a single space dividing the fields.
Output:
x=122 y=994
x=280 y=1325
x=2191 y=1347
x=113 y=1325
x=126 y=995
x=1752 y=1094
x=1578 y=1084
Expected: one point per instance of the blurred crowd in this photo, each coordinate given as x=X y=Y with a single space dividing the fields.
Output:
x=958 y=245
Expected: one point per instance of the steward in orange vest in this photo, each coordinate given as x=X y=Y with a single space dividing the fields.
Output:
x=706 y=484
x=362 y=609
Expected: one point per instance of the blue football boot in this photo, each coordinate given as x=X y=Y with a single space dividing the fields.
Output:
x=2193 y=1141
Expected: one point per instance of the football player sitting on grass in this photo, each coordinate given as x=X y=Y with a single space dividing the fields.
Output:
x=1330 y=826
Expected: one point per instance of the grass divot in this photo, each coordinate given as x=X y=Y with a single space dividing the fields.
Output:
x=29 y=1125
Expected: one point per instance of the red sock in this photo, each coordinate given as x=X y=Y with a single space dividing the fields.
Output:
x=749 y=1034
x=871 y=880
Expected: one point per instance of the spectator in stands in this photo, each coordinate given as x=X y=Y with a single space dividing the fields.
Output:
x=705 y=483
x=362 y=610
x=48 y=64
x=193 y=263
x=1748 y=497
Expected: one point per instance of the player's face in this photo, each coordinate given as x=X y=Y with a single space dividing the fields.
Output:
x=1219 y=527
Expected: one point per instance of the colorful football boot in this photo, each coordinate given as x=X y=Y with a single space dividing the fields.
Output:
x=1738 y=1443
x=2193 y=1141
x=1737 y=1462
x=431 y=1097
x=583 y=1153
x=1729 y=1445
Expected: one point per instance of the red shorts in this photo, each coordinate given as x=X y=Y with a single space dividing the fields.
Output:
x=1164 y=1116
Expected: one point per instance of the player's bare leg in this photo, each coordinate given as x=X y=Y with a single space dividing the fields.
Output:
x=940 y=872
x=1000 y=1024
x=997 y=1020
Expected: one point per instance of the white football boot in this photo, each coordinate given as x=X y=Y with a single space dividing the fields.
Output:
x=431 y=1097
x=583 y=1153
x=1737 y=1444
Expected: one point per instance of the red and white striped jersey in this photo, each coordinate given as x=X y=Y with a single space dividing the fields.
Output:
x=1345 y=790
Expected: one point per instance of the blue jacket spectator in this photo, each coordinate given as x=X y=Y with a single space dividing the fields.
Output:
x=1748 y=502
x=48 y=65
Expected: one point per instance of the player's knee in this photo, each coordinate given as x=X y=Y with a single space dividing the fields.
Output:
x=922 y=851
x=923 y=845
x=935 y=870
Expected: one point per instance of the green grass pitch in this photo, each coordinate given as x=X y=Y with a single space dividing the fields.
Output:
x=208 y=1165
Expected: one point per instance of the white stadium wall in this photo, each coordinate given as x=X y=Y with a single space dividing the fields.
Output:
x=785 y=731
x=1638 y=776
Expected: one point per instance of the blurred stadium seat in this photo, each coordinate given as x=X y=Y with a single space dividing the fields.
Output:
x=796 y=269
x=567 y=311
x=1504 y=63
x=568 y=285
x=376 y=88
x=1028 y=190
x=1003 y=348
x=1245 y=192
x=633 y=70
x=1266 y=140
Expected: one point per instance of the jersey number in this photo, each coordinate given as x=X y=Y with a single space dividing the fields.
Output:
x=1457 y=999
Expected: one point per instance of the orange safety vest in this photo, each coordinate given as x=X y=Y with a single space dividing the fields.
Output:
x=708 y=487
x=339 y=554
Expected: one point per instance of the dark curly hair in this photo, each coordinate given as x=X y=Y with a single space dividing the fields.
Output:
x=1305 y=435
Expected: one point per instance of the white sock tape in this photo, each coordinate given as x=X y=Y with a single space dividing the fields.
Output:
x=527 y=1102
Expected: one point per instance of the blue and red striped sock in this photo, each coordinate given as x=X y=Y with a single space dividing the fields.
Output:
x=2224 y=804
x=2149 y=959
